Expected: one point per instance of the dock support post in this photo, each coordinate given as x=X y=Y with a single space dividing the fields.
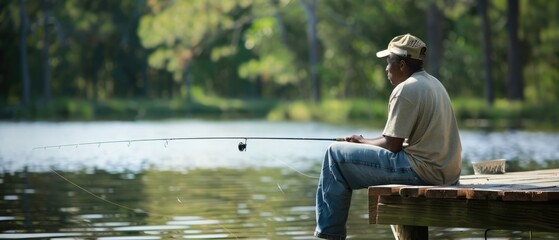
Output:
x=407 y=232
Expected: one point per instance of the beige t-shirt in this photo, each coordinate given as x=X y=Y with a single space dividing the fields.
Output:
x=420 y=111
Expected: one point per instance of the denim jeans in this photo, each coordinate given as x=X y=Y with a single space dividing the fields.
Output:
x=348 y=166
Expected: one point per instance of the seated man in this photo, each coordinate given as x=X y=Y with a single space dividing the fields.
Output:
x=420 y=144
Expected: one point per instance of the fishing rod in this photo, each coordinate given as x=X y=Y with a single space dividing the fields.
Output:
x=242 y=145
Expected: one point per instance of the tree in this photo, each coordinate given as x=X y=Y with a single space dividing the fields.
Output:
x=539 y=51
x=270 y=48
x=310 y=11
x=179 y=32
x=24 y=67
x=486 y=48
x=435 y=36
x=273 y=41
x=515 y=85
x=45 y=55
x=274 y=64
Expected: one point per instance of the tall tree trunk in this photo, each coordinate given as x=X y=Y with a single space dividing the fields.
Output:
x=486 y=45
x=24 y=67
x=171 y=87
x=97 y=60
x=145 y=91
x=187 y=81
x=45 y=57
x=310 y=9
x=348 y=78
x=281 y=27
x=145 y=78
x=515 y=83
x=435 y=26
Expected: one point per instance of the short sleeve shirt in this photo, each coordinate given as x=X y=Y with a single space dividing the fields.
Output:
x=420 y=112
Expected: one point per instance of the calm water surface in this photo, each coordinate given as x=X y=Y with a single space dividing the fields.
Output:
x=204 y=189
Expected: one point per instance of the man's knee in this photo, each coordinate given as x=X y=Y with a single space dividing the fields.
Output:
x=335 y=152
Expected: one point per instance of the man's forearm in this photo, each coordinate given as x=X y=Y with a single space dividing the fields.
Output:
x=390 y=143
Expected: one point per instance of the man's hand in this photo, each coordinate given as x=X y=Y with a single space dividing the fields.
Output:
x=355 y=139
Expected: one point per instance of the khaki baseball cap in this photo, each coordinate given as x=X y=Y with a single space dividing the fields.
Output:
x=405 y=45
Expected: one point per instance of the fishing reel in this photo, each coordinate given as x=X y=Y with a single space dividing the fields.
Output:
x=243 y=146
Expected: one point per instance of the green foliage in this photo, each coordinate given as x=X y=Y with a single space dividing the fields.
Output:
x=275 y=62
x=59 y=109
x=470 y=113
x=130 y=53
x=506 y=114
x=178 y=31
x=358 y=111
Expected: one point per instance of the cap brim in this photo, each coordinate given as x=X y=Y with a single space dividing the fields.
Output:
x=383 y=53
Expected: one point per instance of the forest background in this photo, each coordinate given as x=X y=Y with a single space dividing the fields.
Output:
x=276 y=59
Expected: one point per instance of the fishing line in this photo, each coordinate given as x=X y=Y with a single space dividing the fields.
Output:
x=126 y=207
x=297 y=171
x=281 y=190
x=96 y=196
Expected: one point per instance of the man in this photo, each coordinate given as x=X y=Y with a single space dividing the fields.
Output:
x=420 y=144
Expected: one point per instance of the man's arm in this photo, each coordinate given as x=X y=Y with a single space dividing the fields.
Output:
x=391 y=143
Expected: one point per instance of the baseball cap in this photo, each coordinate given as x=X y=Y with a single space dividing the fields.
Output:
x=405 y=45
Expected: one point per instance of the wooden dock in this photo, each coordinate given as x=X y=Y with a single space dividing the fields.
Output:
x=527 y=201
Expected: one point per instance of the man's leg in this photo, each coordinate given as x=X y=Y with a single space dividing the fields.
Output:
x=350 y=166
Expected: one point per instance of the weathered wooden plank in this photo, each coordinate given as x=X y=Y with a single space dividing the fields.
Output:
x=549 y=173
x=513 y=215
x=527 y=180
x=483 y=194
x=510 y=193
x=516 y=186
x=389 y=189
x=545 y=195
x=548 y=185
x=374 y=193
x=451 y=192
x=537 y=172
x=517 y=195
x=373 y=208
x=413 y=191
x=535 y=194
x=516 y=201
x=446 y=192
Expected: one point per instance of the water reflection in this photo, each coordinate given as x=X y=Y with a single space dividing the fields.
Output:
x=195 y=190
x=199 y=204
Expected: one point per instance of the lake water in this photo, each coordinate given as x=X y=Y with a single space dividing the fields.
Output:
x=198 y=189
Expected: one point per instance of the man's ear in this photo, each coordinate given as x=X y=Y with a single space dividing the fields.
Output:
x=402 y=65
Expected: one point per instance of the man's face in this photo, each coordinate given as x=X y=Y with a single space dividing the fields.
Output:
x=394 y=69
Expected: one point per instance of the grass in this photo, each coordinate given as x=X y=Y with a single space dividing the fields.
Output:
x=506 y=114
x=471 y=113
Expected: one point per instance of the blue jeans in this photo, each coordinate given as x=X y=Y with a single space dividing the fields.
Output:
x=348 y=166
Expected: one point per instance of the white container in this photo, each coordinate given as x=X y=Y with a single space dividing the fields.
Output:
x=496 y=166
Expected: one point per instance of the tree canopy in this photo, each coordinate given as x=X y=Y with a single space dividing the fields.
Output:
x=264 y=49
